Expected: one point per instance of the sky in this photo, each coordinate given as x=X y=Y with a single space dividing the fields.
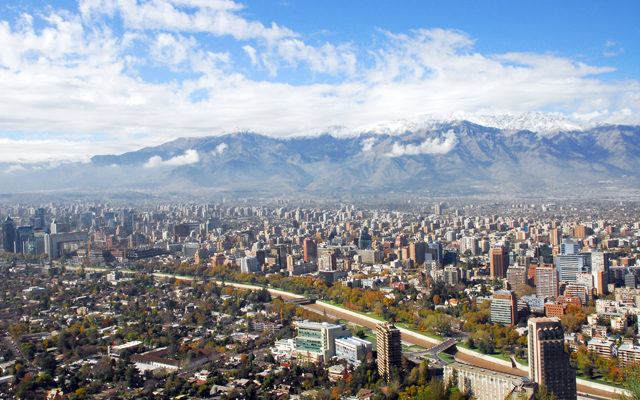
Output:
x=87 y=77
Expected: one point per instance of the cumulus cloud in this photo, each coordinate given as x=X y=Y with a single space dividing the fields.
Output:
x=15 y=167
x=219 y=149
x=81 y=75
x=430 y=146
x=367 y=144
x=189 y=157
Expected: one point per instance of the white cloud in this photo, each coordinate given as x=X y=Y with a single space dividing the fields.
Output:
x=189 y=157
x=367 y=144
x=219 y=149
x=251 y=52
x=429 y=146
x=80 y=78
x=15 y=167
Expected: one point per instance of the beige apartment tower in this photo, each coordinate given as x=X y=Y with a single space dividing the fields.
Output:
x=388 y=340
x=548 y=362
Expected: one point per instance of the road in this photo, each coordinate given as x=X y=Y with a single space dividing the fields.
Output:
x=408 y=336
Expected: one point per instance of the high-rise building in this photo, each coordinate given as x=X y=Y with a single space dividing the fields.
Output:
x=504 y=307
x=389 y=344
x=328 y=262
x=9 y=235
x=569 y=246
x=364 y=240
x=600 y=262
x=499 y=259
x=434 y=249
x=417 y=252
x=310 y=247
x=601 y=282
x=470 y=243
x=451 y=275
x=547 y=281
x=250 y=264
x=517 y=277
x=548 y=363
x=569 y=266
x=555 y=236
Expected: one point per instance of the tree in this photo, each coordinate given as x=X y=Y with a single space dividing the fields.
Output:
x=543 y=393
x=632 y=382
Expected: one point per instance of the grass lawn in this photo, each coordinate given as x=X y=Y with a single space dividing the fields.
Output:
x=345 y=308
x=600 y=380
x=500 y=356
x=446 y=357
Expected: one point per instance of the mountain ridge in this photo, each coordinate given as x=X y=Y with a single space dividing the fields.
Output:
x=456 y=157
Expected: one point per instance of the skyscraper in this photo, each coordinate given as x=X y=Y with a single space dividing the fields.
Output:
x=310 y=247
x=504 y=307
x=470 y=243
x=499 y=258
x=555 y=235
x=9 y=235
x=416 y=252
x=548 y=363
x=365 y=240
x=388 y=340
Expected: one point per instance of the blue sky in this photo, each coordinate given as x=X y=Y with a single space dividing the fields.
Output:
x=108 y=76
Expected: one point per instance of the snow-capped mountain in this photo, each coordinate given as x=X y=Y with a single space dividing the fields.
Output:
x=448 y=155
x=540 y=123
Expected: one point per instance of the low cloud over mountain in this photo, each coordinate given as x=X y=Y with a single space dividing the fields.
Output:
x=450 y=157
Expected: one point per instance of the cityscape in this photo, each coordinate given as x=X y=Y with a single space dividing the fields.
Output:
x=329 y=200
x=280 y=298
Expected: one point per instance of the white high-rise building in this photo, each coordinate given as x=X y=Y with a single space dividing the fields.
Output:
x=470 y=243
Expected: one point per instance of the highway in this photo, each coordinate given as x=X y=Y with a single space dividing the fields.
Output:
x=371 y=323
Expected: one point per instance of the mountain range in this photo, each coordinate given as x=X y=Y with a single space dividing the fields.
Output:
x=458 y=155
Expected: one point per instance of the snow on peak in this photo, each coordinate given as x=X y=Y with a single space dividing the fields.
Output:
x=541 y=123
x=531 y=121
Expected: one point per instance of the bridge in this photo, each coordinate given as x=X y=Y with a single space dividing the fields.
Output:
x=418 y=356
x=303 y=301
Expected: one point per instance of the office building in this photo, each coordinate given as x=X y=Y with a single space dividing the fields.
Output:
x=8 y=235
x=434 y=252
x=364 y=240
x=548 y=362
x=352 y=349
x=250 y=264
x=389 y=347
x=499 y=260
x=504 y=307
x=569 y=246
x=58 y=244
x=310 y=248
x=316 y=341
x=569 y=266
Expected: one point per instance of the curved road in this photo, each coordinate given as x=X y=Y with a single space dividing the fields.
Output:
x=371 y=323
